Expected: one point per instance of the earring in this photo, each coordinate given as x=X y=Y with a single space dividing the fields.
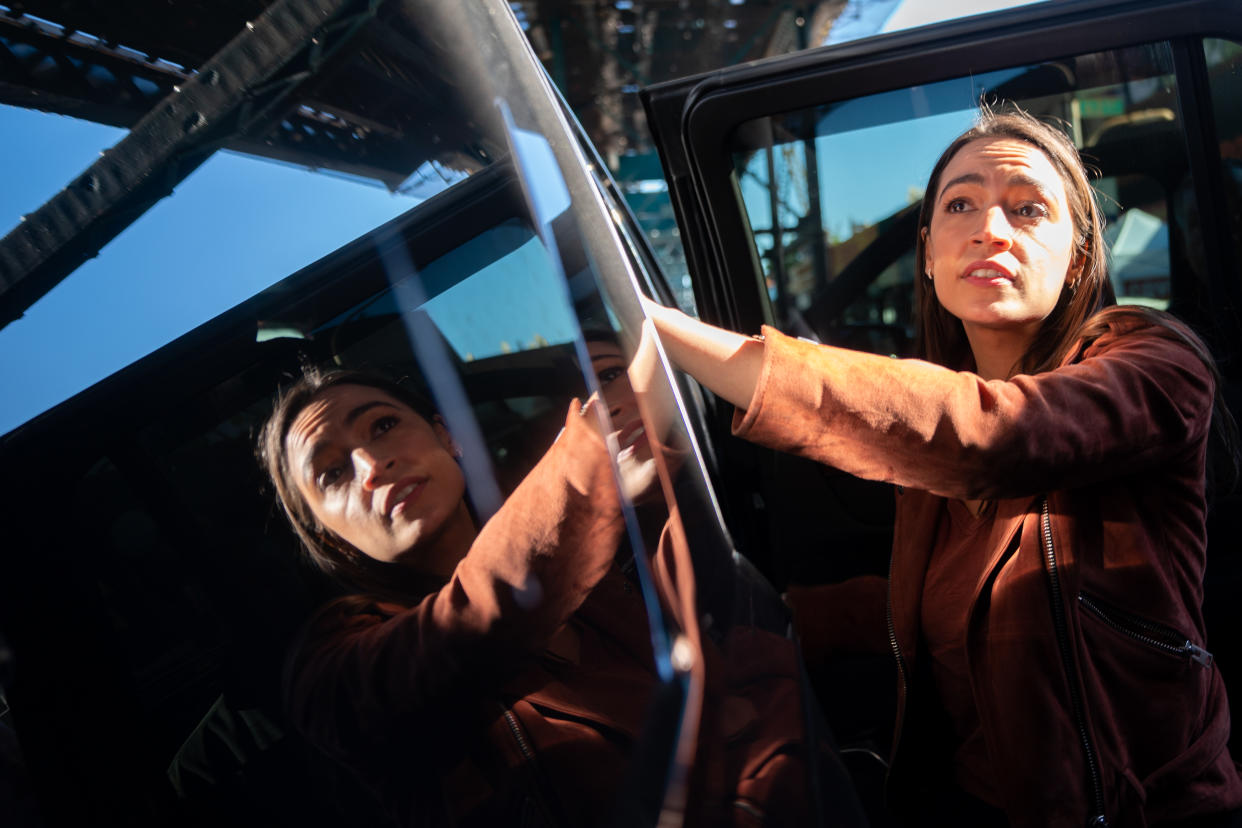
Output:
x=929 y=276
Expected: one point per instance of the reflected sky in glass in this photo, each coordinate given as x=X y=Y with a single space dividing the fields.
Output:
x=235 y=226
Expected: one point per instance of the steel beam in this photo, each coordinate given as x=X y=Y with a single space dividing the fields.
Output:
x=43 y=66
x=242 y=90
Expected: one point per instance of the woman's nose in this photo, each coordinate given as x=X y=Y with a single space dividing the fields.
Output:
x=372 y=470
x=994 y=228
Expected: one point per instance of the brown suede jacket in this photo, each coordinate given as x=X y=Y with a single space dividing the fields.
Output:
x=521 y=692
x=1085 y=632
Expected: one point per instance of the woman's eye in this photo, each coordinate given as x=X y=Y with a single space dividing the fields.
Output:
x=956 y=205
x=330 y=477
x=1031 y=210
x=383 y=424
x=609 y=374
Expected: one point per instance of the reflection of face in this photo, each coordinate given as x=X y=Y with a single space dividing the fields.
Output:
x=634 y=456
x=1001 y=238
x=610 y=366
x=380 y=477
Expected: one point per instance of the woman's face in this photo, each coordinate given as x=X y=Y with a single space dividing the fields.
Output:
x=610 y=366
x=1001 y=241
x=634 y=456
x=380 y=477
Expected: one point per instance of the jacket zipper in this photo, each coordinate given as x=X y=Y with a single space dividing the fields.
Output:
x=519 y=736
x=1063 y=643
x=1156 y=636
x=528 y=754
x=901 y=664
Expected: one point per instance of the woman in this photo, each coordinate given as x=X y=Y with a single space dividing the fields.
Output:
x=1049 y=461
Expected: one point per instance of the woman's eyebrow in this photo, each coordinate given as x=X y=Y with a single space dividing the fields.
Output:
x=968 y=178
x=1015 y=180
x=1024 y=180
x=358 y=411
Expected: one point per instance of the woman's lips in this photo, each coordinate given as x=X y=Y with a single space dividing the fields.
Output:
x=632 y=437
x=404 y=494
x=986 y=273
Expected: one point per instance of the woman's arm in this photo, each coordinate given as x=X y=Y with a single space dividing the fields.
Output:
x=1136 y=399
x=726 y=362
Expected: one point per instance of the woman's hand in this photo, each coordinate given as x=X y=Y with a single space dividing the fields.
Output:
x=636 y=469
x=726 y=362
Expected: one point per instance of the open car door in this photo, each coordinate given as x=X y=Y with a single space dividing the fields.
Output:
x=797 y=183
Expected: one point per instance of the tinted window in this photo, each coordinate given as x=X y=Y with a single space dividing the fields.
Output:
x=373 y=225
x=1224 y=65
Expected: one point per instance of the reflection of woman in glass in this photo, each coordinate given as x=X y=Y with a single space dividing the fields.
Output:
x=635 y=457
x=1045 y=594
x=484 y=670
x=503 y=675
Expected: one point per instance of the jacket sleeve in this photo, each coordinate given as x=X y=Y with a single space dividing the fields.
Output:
x=1135 y=399
x=366 y=672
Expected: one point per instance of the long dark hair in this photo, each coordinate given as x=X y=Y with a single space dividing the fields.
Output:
x=939 y=336
x=1087 y=306
x=338 y=558
x=1223 y=458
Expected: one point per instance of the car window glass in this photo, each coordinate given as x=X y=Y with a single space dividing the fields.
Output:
x=235 y=226
x=193 y=591
x=65 y=145
x=1224 y=65
x=311 y=168
x=842 y=184
x=507 y=302
x=384 y=224
x=1136 y=215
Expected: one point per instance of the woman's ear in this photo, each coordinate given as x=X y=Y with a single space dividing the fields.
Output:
x=445 y=437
